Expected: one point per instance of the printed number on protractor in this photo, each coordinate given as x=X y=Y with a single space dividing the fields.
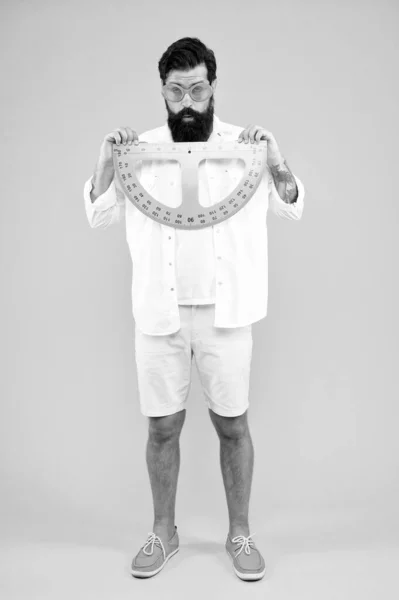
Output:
x=190 y=214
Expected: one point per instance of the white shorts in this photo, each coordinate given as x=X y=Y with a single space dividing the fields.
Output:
x=222 y=356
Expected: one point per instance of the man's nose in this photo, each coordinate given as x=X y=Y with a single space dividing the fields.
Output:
x=186 y=100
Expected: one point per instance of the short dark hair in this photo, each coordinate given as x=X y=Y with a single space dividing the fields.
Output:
x=186 y=54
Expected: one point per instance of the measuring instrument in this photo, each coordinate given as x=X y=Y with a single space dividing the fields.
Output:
x=190 y=214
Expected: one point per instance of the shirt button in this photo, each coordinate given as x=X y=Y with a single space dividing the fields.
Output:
x=219 y=282
x=217 y=230
x=172 y=289
x=170 y=237
x=219 y=257
x=170 y=264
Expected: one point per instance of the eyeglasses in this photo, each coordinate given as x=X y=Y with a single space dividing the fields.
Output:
x=198 y=91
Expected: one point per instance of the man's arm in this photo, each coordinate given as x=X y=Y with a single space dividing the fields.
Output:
x=101 y=180
x=284 y=181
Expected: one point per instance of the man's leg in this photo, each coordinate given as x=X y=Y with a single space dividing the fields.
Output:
x=237 y=462
x=163 y=462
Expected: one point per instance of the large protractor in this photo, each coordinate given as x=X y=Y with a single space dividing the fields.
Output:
x=190 y=214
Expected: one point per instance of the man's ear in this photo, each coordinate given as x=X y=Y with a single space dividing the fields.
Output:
x=214 y=84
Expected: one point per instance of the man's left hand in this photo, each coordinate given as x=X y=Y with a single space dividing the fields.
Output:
x=255 y=134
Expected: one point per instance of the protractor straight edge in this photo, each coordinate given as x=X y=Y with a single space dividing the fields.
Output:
x=190 y=214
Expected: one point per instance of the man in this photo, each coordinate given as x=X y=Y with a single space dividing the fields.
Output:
x=195 y=294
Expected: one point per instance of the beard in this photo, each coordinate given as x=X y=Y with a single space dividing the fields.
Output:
x=197 y=129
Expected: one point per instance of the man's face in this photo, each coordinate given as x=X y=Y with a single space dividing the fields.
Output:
x=200 y=126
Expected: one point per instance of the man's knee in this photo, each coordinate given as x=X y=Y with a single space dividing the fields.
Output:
x=230 y=427
x=167 y=427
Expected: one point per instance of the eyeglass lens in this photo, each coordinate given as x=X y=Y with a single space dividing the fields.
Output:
x=198 y=92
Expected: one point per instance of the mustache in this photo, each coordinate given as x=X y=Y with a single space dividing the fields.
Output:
x=186 y=113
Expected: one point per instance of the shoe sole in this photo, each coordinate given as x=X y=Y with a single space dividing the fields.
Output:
x=143 y=574
x=246 y=576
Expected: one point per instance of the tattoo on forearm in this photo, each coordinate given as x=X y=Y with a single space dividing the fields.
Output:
x=282 y=175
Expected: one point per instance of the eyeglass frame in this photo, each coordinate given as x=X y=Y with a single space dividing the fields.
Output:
x=187 y=91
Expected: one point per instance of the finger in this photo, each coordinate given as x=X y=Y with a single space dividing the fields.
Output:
x=123 y=133
x=130 y=135
x=258 y=135
x=117 y=137
x=246 y=134
x=135 y=138
x=252 y=133
x=241 y=137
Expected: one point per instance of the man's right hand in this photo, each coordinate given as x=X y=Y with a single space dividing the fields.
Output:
x=123 y=135
x=105 y=171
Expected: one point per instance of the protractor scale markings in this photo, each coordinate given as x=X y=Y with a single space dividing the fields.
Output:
x=190 y=214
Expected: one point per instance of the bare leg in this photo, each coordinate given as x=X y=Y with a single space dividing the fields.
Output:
x=237 y=460
x=237 y=463
x=163 y=462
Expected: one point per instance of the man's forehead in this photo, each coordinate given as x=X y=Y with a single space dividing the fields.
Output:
x=187 y=76
x=185 y=81
x=197 y=74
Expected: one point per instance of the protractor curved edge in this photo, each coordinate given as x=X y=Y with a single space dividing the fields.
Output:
x=143 y=201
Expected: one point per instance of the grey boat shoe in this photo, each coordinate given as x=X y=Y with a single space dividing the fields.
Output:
x=154 y=555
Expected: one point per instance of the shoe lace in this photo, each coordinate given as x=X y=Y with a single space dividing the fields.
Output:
x=246 y=543
x=151 y=541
